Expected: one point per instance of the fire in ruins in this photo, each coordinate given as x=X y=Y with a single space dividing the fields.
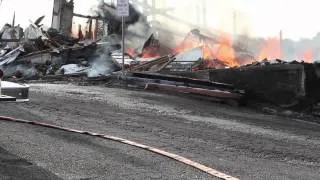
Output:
x=212 y=64
x=95 y=49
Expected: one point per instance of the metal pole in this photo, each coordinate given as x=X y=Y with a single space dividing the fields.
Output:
x=122 y=46
x=280 y=44
x=0 y=89
x=234 y=24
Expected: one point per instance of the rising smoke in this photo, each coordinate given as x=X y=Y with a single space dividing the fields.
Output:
x=174 y=28
x=101 y=62
x=137 y=29
x=137 y=32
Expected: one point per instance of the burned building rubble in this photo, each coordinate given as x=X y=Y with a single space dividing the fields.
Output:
x=39 y=52
x=286 y=84
x=62 y=16
x=207 y=65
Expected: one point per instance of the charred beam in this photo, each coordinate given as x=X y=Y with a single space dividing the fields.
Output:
x=199 y=91
x=184 y=80
x=9 y=40
x=88 y=17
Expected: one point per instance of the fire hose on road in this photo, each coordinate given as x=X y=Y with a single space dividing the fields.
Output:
x=176 y=157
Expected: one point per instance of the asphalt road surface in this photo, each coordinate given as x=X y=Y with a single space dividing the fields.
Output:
x=237 y=141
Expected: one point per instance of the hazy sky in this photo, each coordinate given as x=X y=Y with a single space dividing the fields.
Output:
x=296 y=18
x=32 y=9
x=25 y=10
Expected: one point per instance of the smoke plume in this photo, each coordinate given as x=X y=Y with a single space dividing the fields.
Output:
x=137 y=29
x=102 y=63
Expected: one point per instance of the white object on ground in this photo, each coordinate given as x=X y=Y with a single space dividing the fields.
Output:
x=74 y=69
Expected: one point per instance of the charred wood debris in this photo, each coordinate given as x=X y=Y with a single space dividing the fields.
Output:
x=39 y=54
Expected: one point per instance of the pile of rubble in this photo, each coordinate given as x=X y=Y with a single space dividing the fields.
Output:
x=266 y=62
x=36 y=52
x=193 y=67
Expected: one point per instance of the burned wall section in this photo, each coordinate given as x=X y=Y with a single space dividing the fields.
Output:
x=312 y=85
x=137 y=28
x=284 y=85
x=62 y=16
x=10 y=35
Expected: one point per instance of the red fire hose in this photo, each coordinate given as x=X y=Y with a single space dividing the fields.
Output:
x=178 y=158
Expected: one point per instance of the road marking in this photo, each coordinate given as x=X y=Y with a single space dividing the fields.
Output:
x=176 y=157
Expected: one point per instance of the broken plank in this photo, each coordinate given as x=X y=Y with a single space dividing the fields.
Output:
x=147 y=65
x=9 y=40
x=183 y=80
x=200 y=91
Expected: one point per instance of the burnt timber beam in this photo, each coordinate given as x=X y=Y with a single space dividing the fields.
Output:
x=88 y=17
x=9 y=40
x=183 y=80
x=200 y=91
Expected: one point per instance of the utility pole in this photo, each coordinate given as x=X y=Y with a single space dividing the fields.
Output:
x=204 y=13
x=122 y=44
x=201 y=14
x=145 y=5
x=281 y=44
x=154 y=6
x=14 y=19
x=234 y=24
x=123 y=11
x=1 y=75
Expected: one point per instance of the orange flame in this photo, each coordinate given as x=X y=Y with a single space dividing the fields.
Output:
x=74 y=33
x=308 y=56
x=227 y=55
x=271 y=49
x=150 y=52
x=226 y=52
x=131 y=52
x=222 y=51
x=185 y=46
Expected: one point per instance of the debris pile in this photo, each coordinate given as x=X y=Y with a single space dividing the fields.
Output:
x=36 y=52
x=218 y=92
x=194 y=66
x=293 y=85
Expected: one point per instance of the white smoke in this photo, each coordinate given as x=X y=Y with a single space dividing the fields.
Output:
x=102 y=64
